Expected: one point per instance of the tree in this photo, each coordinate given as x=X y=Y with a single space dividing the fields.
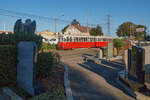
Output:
x=126 y=29
x=75 y=22
x=148 y=37
x=96 y=31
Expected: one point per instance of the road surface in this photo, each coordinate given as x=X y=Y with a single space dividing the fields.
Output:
x=91 y=81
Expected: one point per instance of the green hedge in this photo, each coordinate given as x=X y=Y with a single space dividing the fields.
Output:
x=47 y=61
x=46 y=46
x=54 y=94
x=8 y=64
x=17 y=37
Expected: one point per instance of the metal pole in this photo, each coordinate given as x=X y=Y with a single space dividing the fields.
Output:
x=4 y=26
x=55 y=25
x=108 y=24
x=87 y=24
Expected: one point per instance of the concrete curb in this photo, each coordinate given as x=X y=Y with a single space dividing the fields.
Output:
x=67 y=83
x=8 y=94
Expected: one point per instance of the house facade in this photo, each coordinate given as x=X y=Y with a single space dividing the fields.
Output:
x=77 y=30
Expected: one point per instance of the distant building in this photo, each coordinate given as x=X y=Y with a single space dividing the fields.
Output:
x=77 y=30
x=49 y=37
x=6 y=32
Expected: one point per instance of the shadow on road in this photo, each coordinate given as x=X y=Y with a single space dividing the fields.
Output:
x=103 y=70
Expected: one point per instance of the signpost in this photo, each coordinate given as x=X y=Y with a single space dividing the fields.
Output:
x=140 y=29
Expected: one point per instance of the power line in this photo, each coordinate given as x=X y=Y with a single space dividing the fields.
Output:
x=25 y=15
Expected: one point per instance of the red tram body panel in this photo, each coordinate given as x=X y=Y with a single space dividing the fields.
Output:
x=71 y=45
x=70 y=42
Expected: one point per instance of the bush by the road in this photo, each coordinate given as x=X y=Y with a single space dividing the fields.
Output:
x=15 y=38
x=47 y=61
x=8 y=64
x=46 y=46
x=119 y=44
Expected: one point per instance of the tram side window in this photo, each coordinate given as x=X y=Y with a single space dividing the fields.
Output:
x=67 y=39
x=90 y=39
x=94 y=39
x=59 y=39
x=70 y=39
x=99 y=39
x=74 y=39
x=80 y=39
x=86 y=39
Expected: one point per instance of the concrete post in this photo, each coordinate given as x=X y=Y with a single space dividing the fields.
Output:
x=126 y=62
x=100 y=54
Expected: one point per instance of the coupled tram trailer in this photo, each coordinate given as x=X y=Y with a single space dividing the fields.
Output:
x=71 y=42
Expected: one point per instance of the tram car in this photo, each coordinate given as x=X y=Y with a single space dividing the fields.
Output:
x=71 y=42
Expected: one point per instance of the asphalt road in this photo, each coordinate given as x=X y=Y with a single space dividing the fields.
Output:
x=91 y=81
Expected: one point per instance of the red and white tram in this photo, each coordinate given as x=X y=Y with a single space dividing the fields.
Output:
x=70 y=42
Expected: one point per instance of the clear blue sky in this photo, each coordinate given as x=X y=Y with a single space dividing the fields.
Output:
x=136 y=11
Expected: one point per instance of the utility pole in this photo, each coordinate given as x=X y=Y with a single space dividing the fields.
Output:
x=4 y=26
x=87 y=23
x=55 y=20
x=108 y=24
x=55 y=24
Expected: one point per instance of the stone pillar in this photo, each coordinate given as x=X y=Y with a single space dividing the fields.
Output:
x=26 y=69
x=125 y=57
x=100 y=55
x=109 y=50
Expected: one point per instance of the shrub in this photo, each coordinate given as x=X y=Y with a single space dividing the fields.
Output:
x=119 y=44
x=47 y=61
x=8 y=63
x=46 y=46
x=54 y=94
x=17 y=37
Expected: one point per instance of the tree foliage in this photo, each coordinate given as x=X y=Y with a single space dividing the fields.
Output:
x=148 y=37
x=128 y=29
x=96 y=31
x=75 y=22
